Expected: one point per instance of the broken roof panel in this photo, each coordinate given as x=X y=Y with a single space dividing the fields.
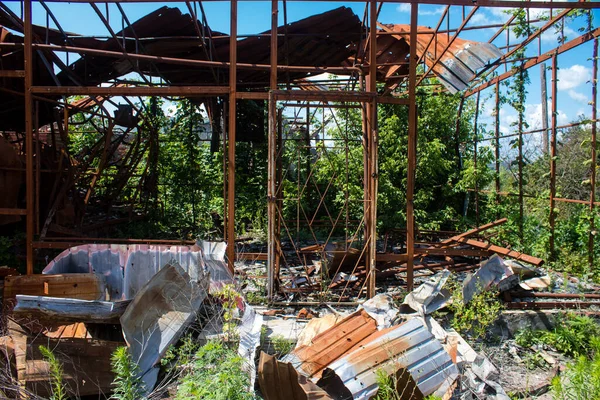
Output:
x=410 y=346
x=354 y=350
x=458 y=64
x=128 y=267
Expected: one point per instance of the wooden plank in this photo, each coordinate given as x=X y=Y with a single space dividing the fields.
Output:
x=474 y=231
x=86 y=363
x=503 y=251
x=77 y=286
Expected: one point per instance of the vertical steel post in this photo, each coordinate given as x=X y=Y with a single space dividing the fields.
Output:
x=497 y=150
x=594 y=155
x=231 y=137
x=412 y=147
x=544 y=107
x=371 y=182
x=520 y=126
x=475 y=160
x=552 y=216
x=272 y=158
x=28 y=65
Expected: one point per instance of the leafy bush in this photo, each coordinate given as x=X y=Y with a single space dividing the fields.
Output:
x=477 y=315
x=282 y=345
x=573 y=335
x=56 y=374
x=581 y=379
x=128 y=385
x=215 y=374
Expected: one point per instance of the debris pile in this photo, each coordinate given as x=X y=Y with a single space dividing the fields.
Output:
x=92 y=299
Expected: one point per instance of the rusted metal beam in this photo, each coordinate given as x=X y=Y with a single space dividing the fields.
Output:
x=412 y=147
x=552 y=215
x=474 y=231
x=468 y=3
x=12 y=74
x=326 y=96
x=370 y=184
x=592 y=233
x=497 y=145
x=184 y=61
x=537 y=60
x=13 y=211
x=549 y=305
x=29 y=192
x=273 y=240
x=503 y=251
x=133 y=90
x=231 y=137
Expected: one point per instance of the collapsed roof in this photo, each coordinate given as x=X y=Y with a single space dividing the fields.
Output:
x=336 y=38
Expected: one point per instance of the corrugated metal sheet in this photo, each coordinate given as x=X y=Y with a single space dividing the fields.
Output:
x=333 y=343
x=355 y=350
x=410 y=346
x=128 y=267
x=158 y=316
x=458 y=64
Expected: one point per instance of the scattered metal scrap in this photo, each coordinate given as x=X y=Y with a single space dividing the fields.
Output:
x=100 y=285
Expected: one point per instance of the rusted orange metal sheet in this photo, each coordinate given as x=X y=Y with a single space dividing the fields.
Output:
x=351 y=352
x=280 y=381
x=334 y=343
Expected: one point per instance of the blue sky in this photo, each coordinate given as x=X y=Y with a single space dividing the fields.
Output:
x=574 y=90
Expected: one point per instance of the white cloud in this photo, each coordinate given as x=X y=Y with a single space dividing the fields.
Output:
x=434 y=11
x=552 y=35
x=480 y=18
x=573 y=76
x=403 y=8
x=580 y=97
x=406 y=7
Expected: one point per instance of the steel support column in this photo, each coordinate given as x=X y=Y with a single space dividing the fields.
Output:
x=552 y=216
x=412 y=148
x=28 y=64
x=231 y=137
x=370 y=184
x=594 y=155
x=273 y=240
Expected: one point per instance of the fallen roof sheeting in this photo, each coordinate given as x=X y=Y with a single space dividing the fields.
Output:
x=280 y=381
x=456 y=67
x=159 y=314
x=354 y=350
x=128 y=267
x=333 y=343
x=410 y=346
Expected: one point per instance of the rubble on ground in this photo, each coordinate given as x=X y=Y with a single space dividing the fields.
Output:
x=92 y=299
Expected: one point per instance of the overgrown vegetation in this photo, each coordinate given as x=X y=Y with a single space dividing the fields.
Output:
x=281 y=345
x=573 y=335
x=215 y=373
x=581 y=379
x=57 y=385
x=127 y=384
x=475 y=317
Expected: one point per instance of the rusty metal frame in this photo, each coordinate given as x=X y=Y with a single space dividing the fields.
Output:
x=367 y=97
